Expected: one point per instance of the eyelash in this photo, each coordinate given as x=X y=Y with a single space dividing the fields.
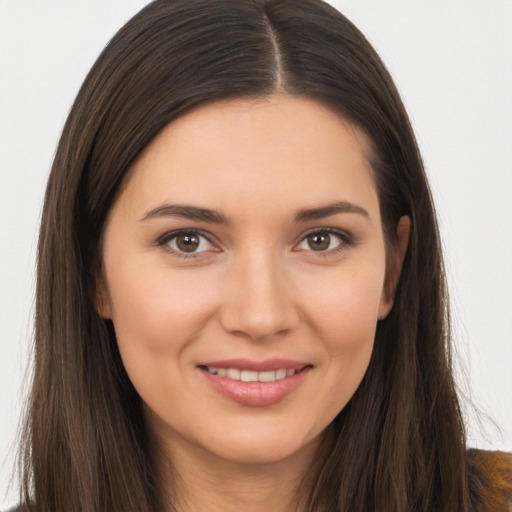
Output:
x=164 y=240
x=346 y=240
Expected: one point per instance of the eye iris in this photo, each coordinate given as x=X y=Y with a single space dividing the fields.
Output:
x=187 y=242
x=319 y=241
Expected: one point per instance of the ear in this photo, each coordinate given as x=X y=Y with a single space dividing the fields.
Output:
x=102 y=299
x=394 y=266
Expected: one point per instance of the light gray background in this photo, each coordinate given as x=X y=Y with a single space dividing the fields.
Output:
x=452 y=61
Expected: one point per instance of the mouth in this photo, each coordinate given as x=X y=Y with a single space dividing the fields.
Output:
x=250 y=375
x=255 y=384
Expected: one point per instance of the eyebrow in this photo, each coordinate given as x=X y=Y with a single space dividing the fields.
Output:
x=186 y=212
x=330 y=209
x=215 y=217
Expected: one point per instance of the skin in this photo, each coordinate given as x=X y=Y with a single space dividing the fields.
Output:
x=254 y=289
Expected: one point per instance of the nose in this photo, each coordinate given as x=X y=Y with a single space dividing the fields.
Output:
x=258 y=299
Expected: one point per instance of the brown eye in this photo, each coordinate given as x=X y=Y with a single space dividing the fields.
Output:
x=324 y=241
x=319 y=241
x=188 y=242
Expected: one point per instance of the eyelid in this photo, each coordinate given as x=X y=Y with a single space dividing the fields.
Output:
x=347 y=240
x=164 y=240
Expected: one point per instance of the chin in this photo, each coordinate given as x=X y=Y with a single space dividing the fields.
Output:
x=265 y=448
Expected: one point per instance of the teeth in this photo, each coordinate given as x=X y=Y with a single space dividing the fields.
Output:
x=281 y=374
x=233 y=373
x=267 y=376
x=251 y=376
x=248 y=376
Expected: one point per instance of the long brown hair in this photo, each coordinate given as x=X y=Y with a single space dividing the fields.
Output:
x=399 y=444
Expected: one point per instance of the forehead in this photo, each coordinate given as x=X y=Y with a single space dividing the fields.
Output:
x=280 y=150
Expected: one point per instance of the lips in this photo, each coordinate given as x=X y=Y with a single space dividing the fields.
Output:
x=254 y=383
x=250 y=375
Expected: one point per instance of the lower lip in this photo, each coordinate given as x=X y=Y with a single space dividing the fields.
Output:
x=256 y=394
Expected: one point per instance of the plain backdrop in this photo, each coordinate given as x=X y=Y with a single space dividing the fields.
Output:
x=452 y=61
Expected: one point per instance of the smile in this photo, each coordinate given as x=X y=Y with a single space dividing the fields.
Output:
x=252 y=383
x=251 y=376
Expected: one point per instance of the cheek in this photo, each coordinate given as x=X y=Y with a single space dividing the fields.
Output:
x=344 y=314
x=157 y=310
x=157 y=314
x=345 y=306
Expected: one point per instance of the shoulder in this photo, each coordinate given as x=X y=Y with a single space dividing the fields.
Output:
x=490 y=480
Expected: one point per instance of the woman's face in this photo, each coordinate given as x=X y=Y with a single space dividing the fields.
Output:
x=244 y=268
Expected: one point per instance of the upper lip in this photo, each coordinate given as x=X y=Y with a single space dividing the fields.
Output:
x=257 y=366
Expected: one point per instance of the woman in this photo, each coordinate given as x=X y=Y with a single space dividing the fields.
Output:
x=240 y=297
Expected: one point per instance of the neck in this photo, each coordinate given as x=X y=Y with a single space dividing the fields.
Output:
x=195 y=481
